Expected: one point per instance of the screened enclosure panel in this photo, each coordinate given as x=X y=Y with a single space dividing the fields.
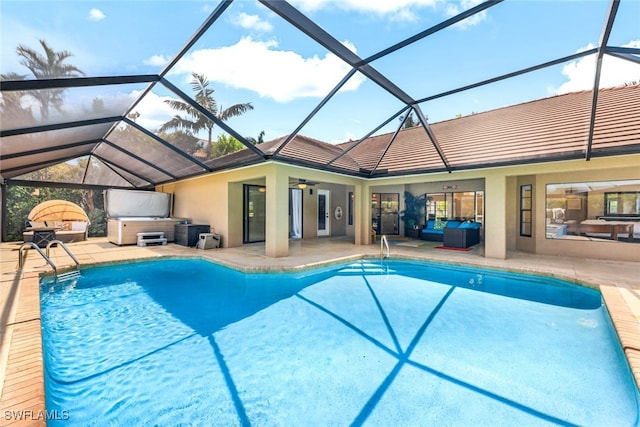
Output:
x=411 y=147
x=371 y=32
x=105 y=39
x=178 y=123
x=135 y=180
x=50 y=140
x=98 y=173
x=71 y=172
x=344 y=119
x=143 y=168
x=27 y=172
x=279 y=70
x=509 y=46
x=134 y=141
x=69 y=105
x=36 y=161
x=286 y=65
x=625 y=27
x=553 y=128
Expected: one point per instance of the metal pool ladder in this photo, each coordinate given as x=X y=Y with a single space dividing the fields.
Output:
x=45 y=256
x=384 y=245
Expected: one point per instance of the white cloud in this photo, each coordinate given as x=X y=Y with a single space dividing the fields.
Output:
x=260 y=67
x=154 y=112
x=471 y=21
x=96 y=15
x=396 y=9
x=156 y=60
x=252 y=22
x=615 y=71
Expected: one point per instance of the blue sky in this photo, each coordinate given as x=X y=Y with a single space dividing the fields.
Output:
x=252 y=55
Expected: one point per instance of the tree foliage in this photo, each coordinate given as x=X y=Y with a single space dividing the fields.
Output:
x=191 y=121
x=16 y=109
x=51 y=64
x=414 y=206
x=14 y=113
x=21 y=199
x=182 y=140
x=226 y=145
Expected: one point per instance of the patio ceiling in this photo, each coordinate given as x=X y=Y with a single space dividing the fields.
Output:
x=118 y=144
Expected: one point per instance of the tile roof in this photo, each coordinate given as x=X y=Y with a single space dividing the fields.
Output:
x=542 y=130
x=548 y=129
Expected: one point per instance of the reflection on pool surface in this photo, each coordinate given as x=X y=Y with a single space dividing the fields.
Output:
x=395 y=343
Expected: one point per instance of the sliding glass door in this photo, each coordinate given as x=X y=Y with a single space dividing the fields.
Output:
x=254 y=201
x=385 y=216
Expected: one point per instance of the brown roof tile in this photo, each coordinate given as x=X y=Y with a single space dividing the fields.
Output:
x=545 y=129
x=549 y=128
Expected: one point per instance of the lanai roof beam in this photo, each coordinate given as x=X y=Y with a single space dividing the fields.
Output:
x=604 y=38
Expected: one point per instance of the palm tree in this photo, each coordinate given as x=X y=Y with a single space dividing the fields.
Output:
x=47 y=66
x=13 y=113
x=194 y=121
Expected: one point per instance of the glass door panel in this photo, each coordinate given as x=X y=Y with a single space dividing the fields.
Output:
x=254 y=214
x=385 y=214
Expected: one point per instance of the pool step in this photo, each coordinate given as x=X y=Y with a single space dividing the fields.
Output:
x=151 y=237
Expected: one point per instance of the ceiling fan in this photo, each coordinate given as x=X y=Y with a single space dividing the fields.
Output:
x=301 y=183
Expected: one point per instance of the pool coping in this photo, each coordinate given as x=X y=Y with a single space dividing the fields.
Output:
x=22 y=379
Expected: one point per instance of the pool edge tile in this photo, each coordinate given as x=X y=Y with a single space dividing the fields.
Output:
x=23 y=382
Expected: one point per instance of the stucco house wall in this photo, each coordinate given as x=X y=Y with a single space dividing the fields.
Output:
x=616 y=250
x=216 y=199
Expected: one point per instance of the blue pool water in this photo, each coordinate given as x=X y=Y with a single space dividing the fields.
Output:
x=188 y=342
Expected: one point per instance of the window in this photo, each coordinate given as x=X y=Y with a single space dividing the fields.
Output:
x=622 y=204
x=463 y=205
x=526 y=216
x=599 y=211
x=350 y=209
x=438 y=205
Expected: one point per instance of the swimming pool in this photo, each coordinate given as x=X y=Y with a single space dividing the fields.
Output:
x=189 y=342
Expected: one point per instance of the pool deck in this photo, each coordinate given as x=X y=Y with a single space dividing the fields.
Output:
x=21 y=361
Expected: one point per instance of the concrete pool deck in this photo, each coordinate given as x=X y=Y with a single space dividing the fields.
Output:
x=21 y=361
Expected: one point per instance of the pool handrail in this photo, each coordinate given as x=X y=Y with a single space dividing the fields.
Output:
x=37 y=248
x=63 y=246
x=45 y=255
x=384 y=244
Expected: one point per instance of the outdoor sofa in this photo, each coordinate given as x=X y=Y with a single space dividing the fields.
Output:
x=56 y=220
x=65 y=231
x=453 y=233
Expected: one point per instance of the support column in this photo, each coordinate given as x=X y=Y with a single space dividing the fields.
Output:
x=235 y=195
x=363 y=214
x=277 y=223
x=495 y=216
x=360 y=235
